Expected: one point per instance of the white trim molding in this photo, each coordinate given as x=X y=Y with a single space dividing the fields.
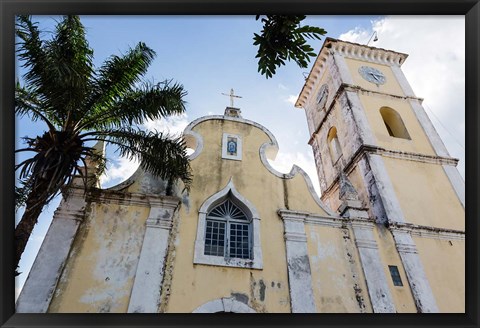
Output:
x=457 y=182
x=224 y=304
x=428 y=232
x=339 y=49
x=387 y=194
x=147 y=285
x=267 y=151
x=421 y=290
x=200 y=258
x=372 y=266
x=298 y=263
x=43 y=278
x=422 y=293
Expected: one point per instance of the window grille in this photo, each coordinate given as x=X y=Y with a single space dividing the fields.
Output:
x=228 y=232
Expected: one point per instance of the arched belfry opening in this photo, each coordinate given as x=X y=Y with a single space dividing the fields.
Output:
x=394 y=123
x=334 y=145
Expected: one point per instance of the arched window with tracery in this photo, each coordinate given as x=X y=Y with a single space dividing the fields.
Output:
x=228 y=232
x=394 y=123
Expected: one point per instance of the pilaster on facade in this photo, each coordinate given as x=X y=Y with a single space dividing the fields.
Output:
x=362 y=225
x=421 y=290
x=298 y=263
x=386 y=192
x=47 y=268
x=147 y=286
x=372 y=266
x=422 y=293
x=452 y=173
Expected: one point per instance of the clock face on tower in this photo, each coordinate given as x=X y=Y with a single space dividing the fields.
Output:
x=372 y=75
x=322 y=97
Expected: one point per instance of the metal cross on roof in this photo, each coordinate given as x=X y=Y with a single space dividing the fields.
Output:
x=231 y=95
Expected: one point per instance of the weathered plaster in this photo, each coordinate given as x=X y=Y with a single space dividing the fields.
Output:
x=42 y=280
x=438 y=255
x=224 y=304
x=146 y=291
x=299 y=274
x=341 y=50
x=372 y=266
x=169 y=266
x=421 y=290
x=385 y=187
x=427 y=231
x=267 y=151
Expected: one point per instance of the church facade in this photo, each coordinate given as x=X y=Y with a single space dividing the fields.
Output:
x=387 y=235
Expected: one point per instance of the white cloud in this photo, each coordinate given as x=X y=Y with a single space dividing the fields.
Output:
x=122 y=168
x=292 y=99
x=357 y=35
x=435 y=68
x=285 y=160
x=174 y=125
x=118 y=170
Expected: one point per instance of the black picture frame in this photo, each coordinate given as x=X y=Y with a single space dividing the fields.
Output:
x=10 y=8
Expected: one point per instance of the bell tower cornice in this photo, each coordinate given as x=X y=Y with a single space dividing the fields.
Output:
x=348 y=50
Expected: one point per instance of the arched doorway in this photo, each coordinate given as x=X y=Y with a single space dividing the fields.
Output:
x=224 y=304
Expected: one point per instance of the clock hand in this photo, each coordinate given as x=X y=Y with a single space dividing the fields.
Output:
x=374 y=76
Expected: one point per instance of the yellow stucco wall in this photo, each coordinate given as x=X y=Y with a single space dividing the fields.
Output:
x=99 y=274
x=193 y=285
x=402 y=295
x=419 y=142
x=425 y=194
x=444 y=264
x=391 y=85
x=337 y=277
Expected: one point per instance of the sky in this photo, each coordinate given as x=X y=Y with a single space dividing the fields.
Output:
x=209 y=55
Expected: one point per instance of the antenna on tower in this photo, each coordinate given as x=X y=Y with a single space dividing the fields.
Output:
x=374 y=37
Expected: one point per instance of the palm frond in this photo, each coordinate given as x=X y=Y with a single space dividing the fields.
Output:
x=149 y=102
x=118 y=76
x=58 y=70
x=27 y=103
x=70 y=53
x=159 y=153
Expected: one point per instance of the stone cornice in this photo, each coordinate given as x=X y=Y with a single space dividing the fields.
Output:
x=427 y=232
x=345 y=87
x=349 y=50
x=131 y=199
x=369 y=223
x=369 y=149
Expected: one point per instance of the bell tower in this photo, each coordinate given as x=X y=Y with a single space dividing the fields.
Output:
x=365 y=121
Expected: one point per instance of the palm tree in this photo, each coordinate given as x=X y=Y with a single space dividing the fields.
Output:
x=81 y=104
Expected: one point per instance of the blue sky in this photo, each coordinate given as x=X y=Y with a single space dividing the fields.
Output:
x=209 y=55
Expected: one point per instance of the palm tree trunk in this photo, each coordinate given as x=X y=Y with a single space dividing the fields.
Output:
x=34 y=204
